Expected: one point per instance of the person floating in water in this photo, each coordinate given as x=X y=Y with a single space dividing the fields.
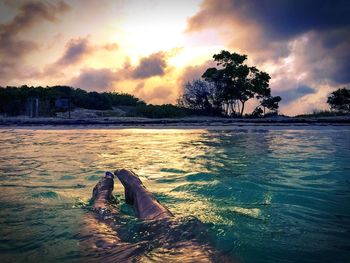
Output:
x=175 y=244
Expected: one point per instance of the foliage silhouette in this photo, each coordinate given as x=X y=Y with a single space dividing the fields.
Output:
x=227 y=87
x=201 y=96
x=13 y=100
x=158 y=111
x=340 y=100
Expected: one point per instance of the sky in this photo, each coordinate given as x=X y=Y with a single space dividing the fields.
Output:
x=151 y=48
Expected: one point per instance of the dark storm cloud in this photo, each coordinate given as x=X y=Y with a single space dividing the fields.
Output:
x=337 y=44
x=342 y=75
x=321 y=62
x=296 y=93
x=154 y=65
x=289 y=18
x=279 y=19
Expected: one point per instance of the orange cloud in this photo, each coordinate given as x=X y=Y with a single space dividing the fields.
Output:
x=155 y=95
x=102 y=79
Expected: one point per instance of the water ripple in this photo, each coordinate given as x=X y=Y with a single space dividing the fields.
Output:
x=285 y=191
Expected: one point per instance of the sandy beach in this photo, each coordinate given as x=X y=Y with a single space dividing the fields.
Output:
x=172 y=122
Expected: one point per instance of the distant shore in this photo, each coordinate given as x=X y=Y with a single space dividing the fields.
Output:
x=182 y=122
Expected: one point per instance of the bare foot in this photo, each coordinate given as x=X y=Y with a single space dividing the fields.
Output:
x=145 y=203
x=102 y=192
x=131 y=183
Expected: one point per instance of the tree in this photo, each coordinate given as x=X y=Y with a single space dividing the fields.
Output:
x=124 y=99
x=270 y=103
x=198 y=95
x=236 y=82
x=340 y=100
x=257 y=112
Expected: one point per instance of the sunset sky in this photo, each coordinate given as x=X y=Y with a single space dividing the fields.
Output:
x=151 y=48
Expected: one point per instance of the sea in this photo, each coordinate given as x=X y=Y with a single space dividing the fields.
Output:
x=260 y=193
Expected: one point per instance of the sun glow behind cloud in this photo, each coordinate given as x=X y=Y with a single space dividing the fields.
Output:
x=158 y=25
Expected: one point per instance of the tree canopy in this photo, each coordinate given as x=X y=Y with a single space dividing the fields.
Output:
x=340 y=100
x=226 y=88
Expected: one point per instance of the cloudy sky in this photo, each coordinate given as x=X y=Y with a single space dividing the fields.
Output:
x=150 y=48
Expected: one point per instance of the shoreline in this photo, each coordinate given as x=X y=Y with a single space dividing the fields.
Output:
x=190 y=122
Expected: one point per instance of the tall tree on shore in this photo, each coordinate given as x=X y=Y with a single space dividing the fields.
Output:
x=340 y=100
x=236 y=82
x=270 y=103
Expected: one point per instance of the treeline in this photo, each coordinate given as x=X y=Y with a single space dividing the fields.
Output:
x=161 y=111
x=22 y=100
x=14 y=100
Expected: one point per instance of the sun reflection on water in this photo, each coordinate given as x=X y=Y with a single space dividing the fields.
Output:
x=255 y=189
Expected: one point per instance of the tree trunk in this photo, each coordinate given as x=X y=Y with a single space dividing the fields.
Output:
x=243 y=102
x=239 y=110
x=232 y=107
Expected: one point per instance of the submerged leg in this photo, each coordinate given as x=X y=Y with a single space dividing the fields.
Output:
x=99 y=224
x=102 y=192
x=175 y=248
x=145 y=203
x=99 y=238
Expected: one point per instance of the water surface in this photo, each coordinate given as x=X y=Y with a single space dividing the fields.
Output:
x=276 y=194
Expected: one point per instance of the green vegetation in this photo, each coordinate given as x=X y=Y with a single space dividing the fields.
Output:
x=339 y=100
x=321 y=113
x=19 y=101
x=159 y=111
x=225 y=89
x=16 y=100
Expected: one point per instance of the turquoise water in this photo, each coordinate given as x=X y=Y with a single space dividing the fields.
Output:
x=277 y=194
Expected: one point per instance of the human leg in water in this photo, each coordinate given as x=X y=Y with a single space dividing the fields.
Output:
x=102 y=193
x=147 y=207
x=145 y=203
x=99 y=223
x=99 y=238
